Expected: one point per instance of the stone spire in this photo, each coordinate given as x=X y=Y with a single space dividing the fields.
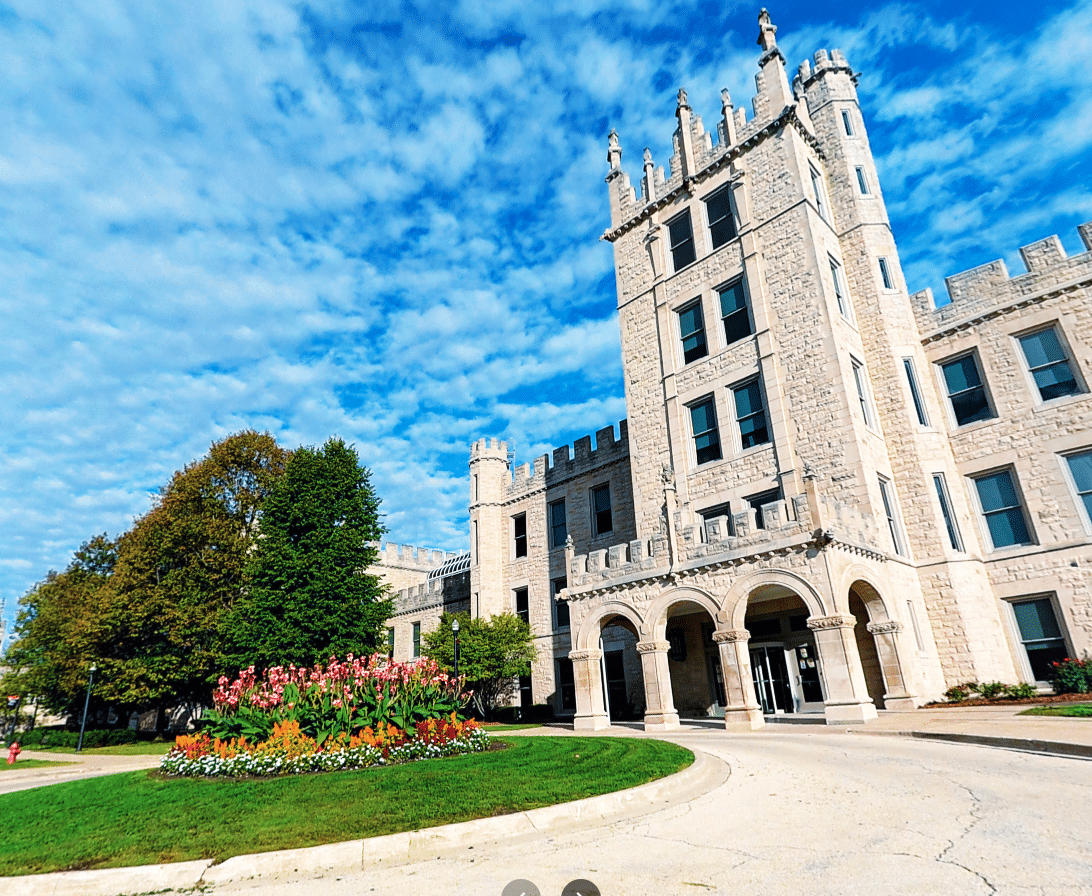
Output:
x=766 y=32
x=614 y=151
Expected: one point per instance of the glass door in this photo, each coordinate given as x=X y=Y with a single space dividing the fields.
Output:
x=771 y=679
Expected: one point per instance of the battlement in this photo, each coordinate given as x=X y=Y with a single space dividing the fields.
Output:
x=834 y=61
x=489 y=448
x=990 y=286
x=724 y=540
x=543 y=473
x=409 y=556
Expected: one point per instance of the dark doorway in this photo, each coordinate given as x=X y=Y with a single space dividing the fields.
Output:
x=617 y=699
x=771 y=679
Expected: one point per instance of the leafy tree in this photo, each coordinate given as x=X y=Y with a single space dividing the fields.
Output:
x=180 y=569
x=493 y=654
x=146 y=609
x=309 y=597
x=60 y=630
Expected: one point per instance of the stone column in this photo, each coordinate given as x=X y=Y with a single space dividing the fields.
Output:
x=591 y=713
x=847 y=699
x=898 y=697
x=660 y=712
x=742 y=712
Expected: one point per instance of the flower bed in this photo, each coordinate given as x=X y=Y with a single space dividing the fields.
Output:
x=348 y=715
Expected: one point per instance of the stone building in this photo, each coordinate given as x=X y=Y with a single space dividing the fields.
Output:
x=829 y=496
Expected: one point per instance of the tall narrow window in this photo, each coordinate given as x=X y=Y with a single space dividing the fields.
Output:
x=862 y=184
x=861 y=382
x=751 y=415
x=1040 y=635
x=566 y=684
x=692 y=332
x=839 y=287
x=519 y=534
x=885 y=274
x=888 y=496
x=1002 y=509
x=1048 y=364
x=722 y=224
x=914 y=624
x=703 y=419
x=966 y=391
x=946 y=512
x=817 y=191
x=682 y=240
x=416 y=639
x=915 y=393
x=1080 y=468
x=601 y=516
x=561 y=608
x=523 y=605
x=474 y=539
x=475 y=490
x=390 y=643
x=559 y=530
x=734 y=312
x=846 y=123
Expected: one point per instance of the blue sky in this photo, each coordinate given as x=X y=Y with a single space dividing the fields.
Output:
x=381 y=220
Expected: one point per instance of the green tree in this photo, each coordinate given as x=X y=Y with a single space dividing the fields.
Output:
x=60 y=630
x=309 y=595
x=179 y=570
x=493 y=654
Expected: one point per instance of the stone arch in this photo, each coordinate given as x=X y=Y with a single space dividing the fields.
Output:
x=879 y=637
x=588 y=636
x=656 y=615
x=871 y=594
x=734 y=605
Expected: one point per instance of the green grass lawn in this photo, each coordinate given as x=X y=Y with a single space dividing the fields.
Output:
x=139 y=818
x=28 y=763
x=1077 y=710
x=138 y=749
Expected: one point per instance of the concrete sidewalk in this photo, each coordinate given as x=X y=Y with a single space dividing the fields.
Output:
x=75 y=767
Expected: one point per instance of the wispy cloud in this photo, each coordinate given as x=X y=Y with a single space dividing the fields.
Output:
x=382 y=221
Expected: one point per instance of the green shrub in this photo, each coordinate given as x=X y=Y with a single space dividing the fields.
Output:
x=957 y=694
x=1072 y=676
x=62 y=737
x=1020 y=691
x=993 y=689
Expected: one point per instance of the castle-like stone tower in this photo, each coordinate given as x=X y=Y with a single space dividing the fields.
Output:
x=829 y=496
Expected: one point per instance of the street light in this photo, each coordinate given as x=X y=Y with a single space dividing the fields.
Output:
x=87 y=700
x=455 y=633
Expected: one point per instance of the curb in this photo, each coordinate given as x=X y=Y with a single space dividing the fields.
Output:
x=705 y=774
x=1062 y=749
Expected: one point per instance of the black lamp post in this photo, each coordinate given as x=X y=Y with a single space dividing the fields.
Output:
x=455 y=633
x=86 y=702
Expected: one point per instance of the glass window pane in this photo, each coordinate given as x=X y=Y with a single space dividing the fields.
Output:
x=996 y=492
x=1080 y=465
x=733 y=298
x=1007 y=527
x=962 y=374
x=971 y=407
x=702 y=416
x=1055 y=381
x=1036 y=620
x=747 y=400
x=1042 y=348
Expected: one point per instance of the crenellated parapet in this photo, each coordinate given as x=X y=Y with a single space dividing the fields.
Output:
x=989 y=289
x=547 y=471
x=408 y=556
x=784 y=525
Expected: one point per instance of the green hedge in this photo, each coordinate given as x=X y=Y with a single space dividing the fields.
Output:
x=62 y=737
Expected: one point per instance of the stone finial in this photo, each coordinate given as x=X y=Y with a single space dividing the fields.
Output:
x=766 y=32
x=725 y=99
x=648 y=156
x=614 y=150
x=682 y=101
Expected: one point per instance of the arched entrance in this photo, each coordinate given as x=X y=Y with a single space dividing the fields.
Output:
x=784 y=659
x=878 y=643
x=607 y=668
x=693 y=662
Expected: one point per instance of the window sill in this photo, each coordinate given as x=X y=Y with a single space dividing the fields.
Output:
x=1061 y=401
x=963 y=429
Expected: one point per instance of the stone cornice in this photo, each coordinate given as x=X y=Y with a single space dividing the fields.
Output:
x=788 y=117
x=883 y=628
x=818 y=623
x=729 y=637
x=585 y=654
x=653 y=646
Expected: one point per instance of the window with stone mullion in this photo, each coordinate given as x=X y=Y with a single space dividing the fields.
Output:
x=1048 y=364
x=735 y=312
x=682 y=241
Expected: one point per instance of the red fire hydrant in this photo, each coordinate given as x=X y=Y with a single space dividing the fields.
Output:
x=13 y=752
